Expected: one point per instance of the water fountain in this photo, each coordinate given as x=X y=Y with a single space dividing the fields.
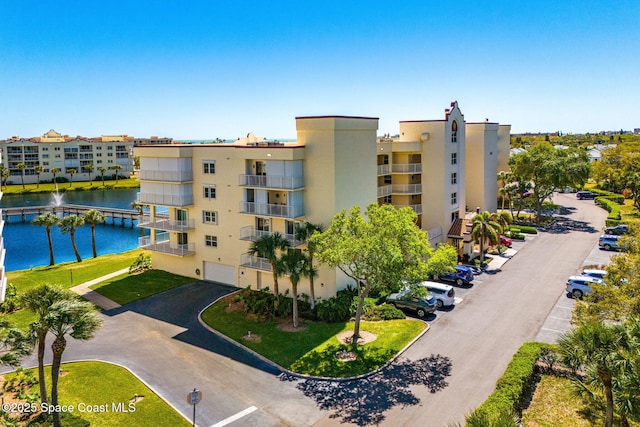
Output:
x=56 y=199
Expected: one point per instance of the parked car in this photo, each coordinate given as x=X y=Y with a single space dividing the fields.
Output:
x=585 y=195
x=578 y=286
x=505 y=241
x=609 y=242
x=598 y=274
x=445 y=295
x=617 y=230
x=462 y=275
x=405 y=300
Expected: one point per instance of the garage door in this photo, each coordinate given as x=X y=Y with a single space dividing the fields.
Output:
x=220 y=273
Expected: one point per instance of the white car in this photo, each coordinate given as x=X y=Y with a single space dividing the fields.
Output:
x=445 y=295
x=598 y=274
x=578 y=286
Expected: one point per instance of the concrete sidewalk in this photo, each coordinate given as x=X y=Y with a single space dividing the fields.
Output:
x=93 y=296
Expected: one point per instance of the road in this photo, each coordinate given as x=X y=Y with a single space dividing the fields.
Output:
x=441 y=377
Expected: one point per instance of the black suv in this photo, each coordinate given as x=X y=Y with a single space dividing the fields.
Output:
x=585 y=195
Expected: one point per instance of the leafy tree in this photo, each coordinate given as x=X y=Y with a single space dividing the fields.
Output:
x=48 y=220
x=484 y=228
x=38 y=169
x=378 y=252
x=89 y=168
x=297 y=265
x=303 y=233
x=116 y=168
x=4 y=175
x=76 y=318
x=269 y=246
x=68 y=224
x=22 y=167
x=71 y=172
x=93 y=218
x=549 y=169
x=39 y=300
x=102 y=172
x=14 y=344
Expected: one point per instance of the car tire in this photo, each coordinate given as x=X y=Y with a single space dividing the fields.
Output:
x=421 y=312
x=459 y=282
x=439 y=304
x=576 y=293
x=607 y=247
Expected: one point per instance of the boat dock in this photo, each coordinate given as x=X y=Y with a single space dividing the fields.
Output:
x=28 y=213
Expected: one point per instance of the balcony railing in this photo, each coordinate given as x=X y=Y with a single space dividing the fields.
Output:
x=383 y=169
x=385 y=190
x=162 y=244
x=406 y=188
x=407 y=168
x=167 y=176
x=271 y=181
x=163 y=223
x=282 y=211
x=255 y=262
x=165 y=199
x=251 y=234
x=417 y=208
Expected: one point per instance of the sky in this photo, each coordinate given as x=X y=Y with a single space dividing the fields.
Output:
x=221 y=69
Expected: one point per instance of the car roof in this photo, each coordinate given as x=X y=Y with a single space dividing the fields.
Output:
x=610 y=236
x=436 y=285
x=585 y=279
x=593 y=271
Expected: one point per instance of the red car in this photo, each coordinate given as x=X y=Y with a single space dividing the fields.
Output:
x=505 y=241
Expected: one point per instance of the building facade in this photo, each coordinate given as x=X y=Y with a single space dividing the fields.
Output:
x=208 y=202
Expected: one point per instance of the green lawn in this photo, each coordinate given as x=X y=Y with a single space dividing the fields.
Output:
x=312 y=351
x=85 y=384
x=129 y=288
x=16 y=187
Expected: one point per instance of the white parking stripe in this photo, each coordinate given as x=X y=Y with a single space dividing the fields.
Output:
x=235 y=417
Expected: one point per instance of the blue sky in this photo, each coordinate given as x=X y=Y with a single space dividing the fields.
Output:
x=208 y=69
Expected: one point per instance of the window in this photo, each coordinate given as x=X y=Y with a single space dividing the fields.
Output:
x=45 y=148
x=209 y=217
x=454 y=158
x=454 y=198
x=211 y=241
x=209 y=166
x=454 y=131
x=387 y=200
x=45 y=163
x=110 y=147
x=387 y=179
x=109 y=154
x=56 y=148
x=454 y=178
x=209 y=191
x=455 y=215
x=182 y=239
x=99 y=147
x=45 y=156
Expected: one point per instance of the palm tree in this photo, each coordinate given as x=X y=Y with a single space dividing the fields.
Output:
x=93 y=217
x=303 y=233
x=39 y=300
x=102 y=172
x=4 y=174
x=76 y=318
x=48 y=220
x=484 y=228
x=595 y=345
x=38 y=170
x=268 y=246
x=297 y=265
x=117 y=169
x=69 y=224
x=71 y=172
x=14 y=344
x=89 y=168
x=54 y=172
x=22 y=167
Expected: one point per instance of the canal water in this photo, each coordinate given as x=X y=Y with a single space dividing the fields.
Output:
x=26 y=244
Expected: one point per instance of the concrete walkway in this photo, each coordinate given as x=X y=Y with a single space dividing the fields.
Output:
x=93 y=296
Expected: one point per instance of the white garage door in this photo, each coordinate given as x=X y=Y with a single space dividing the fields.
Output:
x=220 y=273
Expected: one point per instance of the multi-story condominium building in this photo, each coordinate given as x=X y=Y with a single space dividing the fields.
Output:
x=208 y=202
x=62 y=154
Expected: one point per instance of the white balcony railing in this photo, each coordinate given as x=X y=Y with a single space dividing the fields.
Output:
x=283 y=211
x=385 y=190
x=271 y=181
x=168 y=176
x=407 y=168
x=383 y=169
x=165 y=199
x=417 y=208
x=406 y=188
x=255 y=262
x=163 y=223
x=251 y=234
x=162 y=244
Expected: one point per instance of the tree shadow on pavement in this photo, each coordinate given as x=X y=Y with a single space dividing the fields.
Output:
x=364 y=401
x=563 y=225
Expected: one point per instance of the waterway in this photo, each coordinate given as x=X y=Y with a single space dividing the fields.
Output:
x=26 y=244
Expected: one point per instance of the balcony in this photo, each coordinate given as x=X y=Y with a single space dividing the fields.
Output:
x=416 y=208
x=164 y=223
x=165 y=199
x=384 y=169
x=255 y=262
x=406 y=189
x=271 y=181
x=166 y=176
x=266 y=209
x=384 y=190
x=407 y=168
x=162 y=244
x=251 y=234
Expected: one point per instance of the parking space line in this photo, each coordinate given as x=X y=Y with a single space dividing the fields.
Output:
x=235 y=417
x=552 y=330
x=558 y=318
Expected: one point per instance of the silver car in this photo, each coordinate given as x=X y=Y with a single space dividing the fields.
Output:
x=445 y=295
x=578 y=286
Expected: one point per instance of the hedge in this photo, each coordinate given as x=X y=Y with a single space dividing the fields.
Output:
x=617 y=198
x=523 y=229
x=517 y=382
x=610 y=206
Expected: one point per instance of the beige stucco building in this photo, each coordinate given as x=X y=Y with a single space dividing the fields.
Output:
x=208 y=202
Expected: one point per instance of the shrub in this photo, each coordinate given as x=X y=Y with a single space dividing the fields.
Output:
x=516 y=236
x=338 y=308
x=385 y=312
x=142 y=263
x=10 y=303
x=610 y=206
x=527 y=229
